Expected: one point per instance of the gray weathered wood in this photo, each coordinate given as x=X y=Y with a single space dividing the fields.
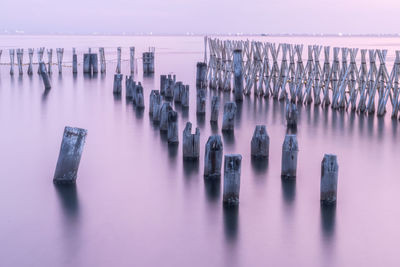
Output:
x=165 y=109
x=152 y=99
x=214 y=109
x=163 y=83
x=291 y=115
x=238 y=74
x=12 y=55
x=260 y=142
x=232 y=169
x=30 y=55
x=74 y=61
x=169 y=88
x=60 y=55
x=201 y=75
x=329 y=179
x=201 y=101
x=118 y=69
x=213 y=157
x=45 y=77
x=185 y=96
x=178 y=89
x=70 y=155
x=20 y=59
x=139 y=97
x=132 y=59
x=191 y=142
x=173 y=127
x=228 y=120
x=117 y=89
x=290 y=150
x=130 y=85
x=50 y=61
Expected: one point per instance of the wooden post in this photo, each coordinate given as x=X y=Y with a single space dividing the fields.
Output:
x=74 y=61
x=165 y=109
x=169 y=88
x=214 y=109
x=117 y=84
x=86 y=63
x=12 y=54
x=118 y=69
x=173 y=127
x=30 y=67
x=291 y=115
x=290 y=149
x=260 y=142
x=178 y=89
x=191 y=142
x=50 y=61
x=70 y=155
x=60 y=55
x=201 y=75
x=163 y=83
x=129 y=87
x=132 y=59
x=45 y=77
x=20 y=59
x=238 y=74
x=94 y=63
x=228 y=121
x=201 y=101
x=153 y=98
x=232 y=169
x=102 y=60
x=213 y=157
x=157 y=107
x=185 y=96
x=138 y=95
x=329 y=179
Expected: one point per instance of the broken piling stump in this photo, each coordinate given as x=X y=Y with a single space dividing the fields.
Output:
x=232 y=169
x=260 y=142
x=228 y=120
x=201 y=101
x=214 y=109
x=70 y=155
x=185 y=96
x=74 y=61
x=201 y=75
x=117 y=88
x=329 y=179
x=165 y=109
x=290 y=149
x=238 y=74
x=213 y=157
x=173 y=127
x=291 y=115
x=191 y=142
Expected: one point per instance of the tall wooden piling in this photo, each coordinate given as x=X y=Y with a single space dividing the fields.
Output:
x=214 y=109
x=102 y=60
x=213 y=157
x=165 y=109
x=238 y=74
x=138 y=95
x=291 y=115
x=156 y=114
x=50 y=61
x=201 y=75
x=148 y=61
x=30 y=66
x=191 y=143
x=60 y=55
x=45 y=77
x=117 y=87
x=74 y=61
x=12 y=55
x=118 y=69
x=228 y=120
x=163 y=83
x=290 y=150
x=70 y=155
x=329 y=179
x=260 y=142
x=185 y=96
x=169 y=88
x=232 y=169
x=178 y=89
x=201 y=101
x=40 y=53
x=129 y=87
x=94 y=63
x=20 y=59
x=132 y=59
x=173 y=127
x=153 y=98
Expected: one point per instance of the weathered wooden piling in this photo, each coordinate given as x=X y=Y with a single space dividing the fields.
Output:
x=201 y=101
x=232 y=169
x=228 y=120
x=185 y=96
x=138 y=95
x=30 y=66
x=20 y=59
x=163 y=83
x=329 y=179
x=157 y=108
x=213 y=157
x=90 y=63
x=40 y=53
x=45 y=77
x=12 y=55
x=201 y=75
x=178 y=89
x=86 y=63
x=50 y=61
x=102 y=60
x=290 y=150
x=74 y=61
x=169 y=88
x=214 y=109
x=118 y=69
x=70 y=155
x=173 y=127
x=129 y=87
x=117 y=88
x=291 y=115
x=132 y=59
x=191 y=143
x=260 y=142
x=94 y=63
x=238 y=74
x=60 y=55
x=165 y=109
x=153 y=98
x=148 y=61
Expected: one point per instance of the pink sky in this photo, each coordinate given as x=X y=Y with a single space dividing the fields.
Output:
x=205 y=16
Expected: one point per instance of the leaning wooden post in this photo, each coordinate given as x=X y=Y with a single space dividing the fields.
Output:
x=329 y=179
x=201 y=101
x=118 y=70
x=20 y=59
x=238 y=74
x=165 y=109
x=12 y=54
x=45 y=77
x=117 y=88
x=172 y=127
x=232 y=169
x=228 y=120
x=260 y=142
x=60 y=55
x=49 y=61
x=185 y=96
x=214 y=109
x=213 y=157
x=290 y=149
x=74 y=61
x=70 y=155
x=30 y=67
x=132 y=59
x=291 y=115
x=201 y=75
x=191 y=143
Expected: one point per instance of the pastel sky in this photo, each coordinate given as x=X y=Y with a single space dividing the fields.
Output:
x=201 y=16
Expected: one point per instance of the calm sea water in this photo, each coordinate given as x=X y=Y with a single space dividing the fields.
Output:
x=136 y=203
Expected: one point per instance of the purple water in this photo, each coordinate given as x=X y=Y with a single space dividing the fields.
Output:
x=136 y=203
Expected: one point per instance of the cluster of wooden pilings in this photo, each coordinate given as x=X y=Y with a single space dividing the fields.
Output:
x=343 y=79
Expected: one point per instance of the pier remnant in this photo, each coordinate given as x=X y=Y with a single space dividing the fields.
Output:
x=238 y=74
x=232 y=169
x=70 y=155
x=165 y=109
x=45 y=77
x=260 y=142
x=117 y=88
x=228 y=120
x=118 y=69
x=132 y=59
x=201 y=101
x=290 y=149
x=329 y=179
x=74 y=61
x=12 y=55
x=185 y=96
x=102 y=60
x=60 y=55
x=213 y=157
x=157 y=100
x=191 y=142
x=50 y=61
x=291 y=115
x=201 y=75
x=148 y=61
x=214 y=109
x=20 y=59
x=30 y=66
x=173 y=127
